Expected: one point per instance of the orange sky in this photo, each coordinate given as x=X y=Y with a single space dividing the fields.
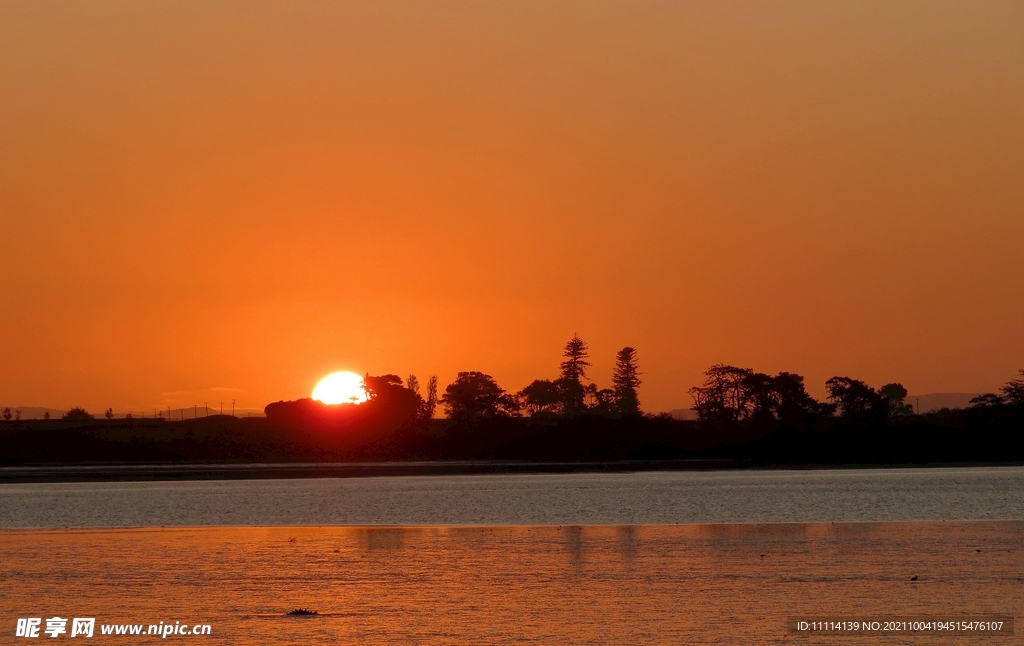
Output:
x=245 y=196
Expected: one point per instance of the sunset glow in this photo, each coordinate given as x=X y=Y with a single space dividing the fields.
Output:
x=340 y=388
x=826 y=188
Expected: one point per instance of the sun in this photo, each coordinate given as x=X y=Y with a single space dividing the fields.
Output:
x=340 y=388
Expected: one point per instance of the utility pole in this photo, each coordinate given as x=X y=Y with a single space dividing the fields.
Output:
x=206 y=405
x=195 y=411
x=232 y=407
x=222 y=407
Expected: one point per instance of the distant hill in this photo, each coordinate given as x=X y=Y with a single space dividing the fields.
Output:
x=934 y=401
x=683 y=413
x=37 y=412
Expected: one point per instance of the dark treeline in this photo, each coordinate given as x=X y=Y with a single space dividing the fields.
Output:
x=475 y=402
x=743 y=416
x=475 y=397
x=731 y=396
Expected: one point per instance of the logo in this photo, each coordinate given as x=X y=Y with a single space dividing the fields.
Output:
x=55 y=626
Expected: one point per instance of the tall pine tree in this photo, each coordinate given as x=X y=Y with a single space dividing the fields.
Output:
x=626 y=379
x=574 y=372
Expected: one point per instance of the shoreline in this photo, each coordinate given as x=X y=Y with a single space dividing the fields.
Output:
x=155 y=472
x=414 y=527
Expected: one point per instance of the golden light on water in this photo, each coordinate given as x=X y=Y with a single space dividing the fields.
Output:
x=340 y=388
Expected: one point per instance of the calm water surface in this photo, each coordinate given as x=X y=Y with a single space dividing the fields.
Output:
x=686 y=584
x=549 y=559
x=566 y=499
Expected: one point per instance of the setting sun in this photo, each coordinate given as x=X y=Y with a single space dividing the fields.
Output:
x=340 y=388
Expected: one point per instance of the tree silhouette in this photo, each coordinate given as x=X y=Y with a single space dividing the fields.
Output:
x=625 y=381
x=7 y=414
x=46 y=414
x=796 y=408
x=77 y=414
x=475 y=396
x=109 y=414
x=389 y=403
x=725 y=396
x=988 y=399
x=413 y=384
x=601 y=401
x=541 y=396
x=383 y=385
x=573 y=372
x=856 y=400
x=764 y=395
x=895 y=394
x=430 y=403
x=1013 y=391
x=732 y=394
x=17 y=415
x=387 y=398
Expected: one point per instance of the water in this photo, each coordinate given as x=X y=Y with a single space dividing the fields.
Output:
x=551 y=559
x=686 y=584
x=562 y=499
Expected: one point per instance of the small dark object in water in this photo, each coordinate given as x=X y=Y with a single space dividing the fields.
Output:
x=762 y=556
x=302 y=612
x=913 y=578
x=978 y=551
